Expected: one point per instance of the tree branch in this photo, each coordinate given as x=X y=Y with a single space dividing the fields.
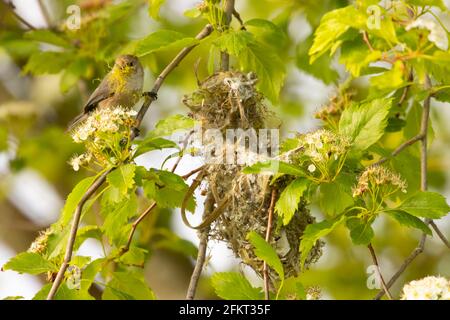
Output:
x=73 y=232
x=423 y=138
x=12 y=8
x=375 y=261
x=203 y=236
x=268 y=231
x=98 y=183
x=225 y=57
x=439 y=233
x=400 y=148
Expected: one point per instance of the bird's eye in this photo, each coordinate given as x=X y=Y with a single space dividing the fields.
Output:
x=130 y=64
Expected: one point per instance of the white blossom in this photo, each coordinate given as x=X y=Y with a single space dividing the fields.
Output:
x=437 y=34
x=429 y=288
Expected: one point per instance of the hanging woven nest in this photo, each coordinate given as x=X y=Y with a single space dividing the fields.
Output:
x=229 y=100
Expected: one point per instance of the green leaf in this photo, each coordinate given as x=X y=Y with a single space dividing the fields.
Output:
x=73 y=199
x=425 y=204
x=408 y=220
x=63 y=293
x=151 y=144
x=257 y=57
x=436 y=3
x=73 y=73
x=234 y=286
x=293 y=289
x=274 y=166
x=289 y=199
x=332 y=26
x=314 y=232
x=134 y=257
x=116 y=222
x=154 y=6
x=3 y=138
x=171 y=125
x=127 y=285
x=87 y=232
x=28 y=262
x=47 y=36
x=361 y=231
x=166 y=239
x=47 y=62
x=163 y=40
x=365 y=123
x=267 y=32
x=168 y=190
x=265 y=252
x=122 y=178
x=355 y=56
x=389 y=80
x=334 y=197
x=320 y=68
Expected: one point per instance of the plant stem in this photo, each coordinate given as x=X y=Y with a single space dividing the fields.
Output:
x=98 y=183
x=12 y=8
x=73 y=233
x=268 y=231
x=229 y=9
x=375 y=261
x=203 y=236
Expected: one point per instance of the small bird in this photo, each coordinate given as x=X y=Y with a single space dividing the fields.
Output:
x=122 y=86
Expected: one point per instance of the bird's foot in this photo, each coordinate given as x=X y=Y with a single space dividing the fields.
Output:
x=151 y=94
x=135 y=132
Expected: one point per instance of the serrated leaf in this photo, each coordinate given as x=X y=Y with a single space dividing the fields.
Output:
x=47 y=62
x=163 y=40
x=320 y=68
x=47 y=36
x=408 y=220
x=265 y=252
x=365 y=123
x=361 y=231
x=29 y=262
x=122 y=178
x=127 y=285
x=389 y=80
x=154 y=6
x=274 y=167
x=355 y=56
x=289 y=199
x=314 y=232
x=135 y=256
x=171 y=125
x=340 y=195
x=267 y=32
x=116 y=222
x=151 y=144
x=332 y=26
x=425 y=204
x=73 y=73
x=73 y=199
x=234 y=286
x=63 y=293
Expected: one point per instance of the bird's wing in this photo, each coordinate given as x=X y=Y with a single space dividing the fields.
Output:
x=102 y=92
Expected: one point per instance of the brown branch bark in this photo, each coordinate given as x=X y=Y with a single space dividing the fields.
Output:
x=97 y=184
x=12 y=8
x=423 y=138
x=268 y=231
x=375 y=261
x=201 y=256
x=229 y=9
x=73 y=233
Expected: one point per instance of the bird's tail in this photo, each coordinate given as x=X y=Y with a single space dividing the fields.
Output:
x=76 y=121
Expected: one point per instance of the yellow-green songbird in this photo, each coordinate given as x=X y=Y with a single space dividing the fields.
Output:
x=122 y=86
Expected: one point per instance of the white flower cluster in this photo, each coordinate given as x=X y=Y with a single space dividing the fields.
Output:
x=429 y=288
x=103 y=120
x=106 y=136
x=437 y=34
x=321 y=151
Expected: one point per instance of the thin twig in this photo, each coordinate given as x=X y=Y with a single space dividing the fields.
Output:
x=73 y=232
x=225 y=57
x=135 y=225
x=190 y=173
x=400 y=148
x=439 y=233
x=366 y=40
x=181 y=153
x=97 y=184
x=45 y=13
x=203 y=236
x=423 y=137
x=167 y=70
x=268 y=231
x=418 y=250
x=375 y=261
x=12 y=8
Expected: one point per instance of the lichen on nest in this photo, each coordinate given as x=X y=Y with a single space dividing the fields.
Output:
x=229 y=100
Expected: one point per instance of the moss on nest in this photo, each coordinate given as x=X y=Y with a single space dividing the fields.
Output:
x=229 y=100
